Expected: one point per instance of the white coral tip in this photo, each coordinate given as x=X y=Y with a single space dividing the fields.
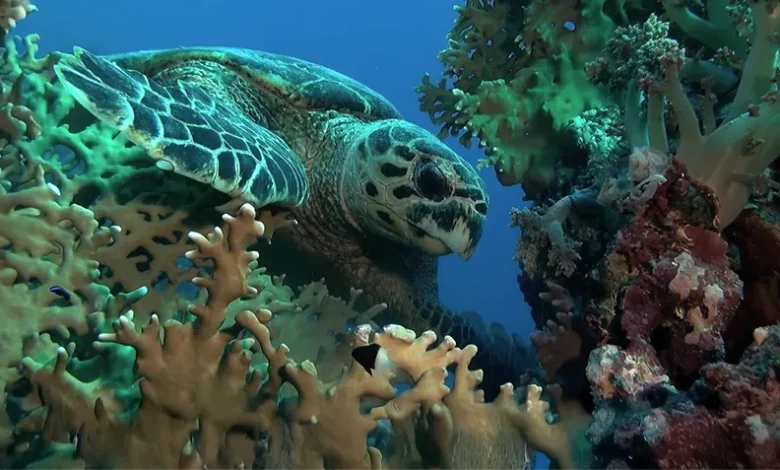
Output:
x=54 y=189
x=247 y=209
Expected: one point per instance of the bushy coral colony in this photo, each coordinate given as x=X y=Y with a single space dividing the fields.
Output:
x=140 y=330
x=649 y=253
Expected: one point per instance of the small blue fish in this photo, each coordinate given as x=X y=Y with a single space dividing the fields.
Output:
x=569 y=26
x=60 y=291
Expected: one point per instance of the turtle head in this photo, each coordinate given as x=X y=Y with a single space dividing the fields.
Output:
x=400 y=182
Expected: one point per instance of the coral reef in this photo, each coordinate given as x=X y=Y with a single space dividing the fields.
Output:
x=141 y=329
x=648 y=253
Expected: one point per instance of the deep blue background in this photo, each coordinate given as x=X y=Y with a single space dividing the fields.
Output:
x=386 y=45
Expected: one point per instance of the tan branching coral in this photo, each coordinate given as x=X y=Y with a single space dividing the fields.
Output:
x=411 y=353
x=48 y=276
x=317 y=424
x=200 y=395
x=193 y=374
x=146 y=253
x=319 y=436
x=465 y=432
x=13 y=11
x=320 y=328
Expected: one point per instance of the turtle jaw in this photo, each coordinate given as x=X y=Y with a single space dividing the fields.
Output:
x=452 y=227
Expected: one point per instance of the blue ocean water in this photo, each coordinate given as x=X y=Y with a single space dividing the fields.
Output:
x=387 y=46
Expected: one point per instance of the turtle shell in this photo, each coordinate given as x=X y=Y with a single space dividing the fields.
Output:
x=304 y=84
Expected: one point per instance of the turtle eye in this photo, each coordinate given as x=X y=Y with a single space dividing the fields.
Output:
x=431 y=182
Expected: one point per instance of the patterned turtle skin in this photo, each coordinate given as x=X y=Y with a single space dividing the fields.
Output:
x=377 y=198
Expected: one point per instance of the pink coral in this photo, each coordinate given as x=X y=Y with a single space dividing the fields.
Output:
x=680 y=268
x=706 y=245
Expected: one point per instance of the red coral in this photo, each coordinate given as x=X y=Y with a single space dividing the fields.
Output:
x=685 y=294
x=757 y=236
x=758 y=239
x=683 y=445
x=642 y=312
x=730 y=420
x=656 y=229
x=706 y=244
x=741 y=429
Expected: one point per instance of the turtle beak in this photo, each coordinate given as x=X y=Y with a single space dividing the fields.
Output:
x=467 y=233
x=462 y=239
x=466 y=254
x=451 y=228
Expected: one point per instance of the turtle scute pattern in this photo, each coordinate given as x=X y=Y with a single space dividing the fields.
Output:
x=188 y=131
x=297 y=82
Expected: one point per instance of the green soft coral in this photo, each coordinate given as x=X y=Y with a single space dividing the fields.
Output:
x=524 y=80
x=520 y=121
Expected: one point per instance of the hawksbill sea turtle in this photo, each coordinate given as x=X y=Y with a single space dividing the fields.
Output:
x=377 y=198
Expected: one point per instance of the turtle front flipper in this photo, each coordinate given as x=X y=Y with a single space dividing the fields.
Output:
x=188 y=132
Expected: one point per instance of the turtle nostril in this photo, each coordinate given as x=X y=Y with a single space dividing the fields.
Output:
x=431 y=182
